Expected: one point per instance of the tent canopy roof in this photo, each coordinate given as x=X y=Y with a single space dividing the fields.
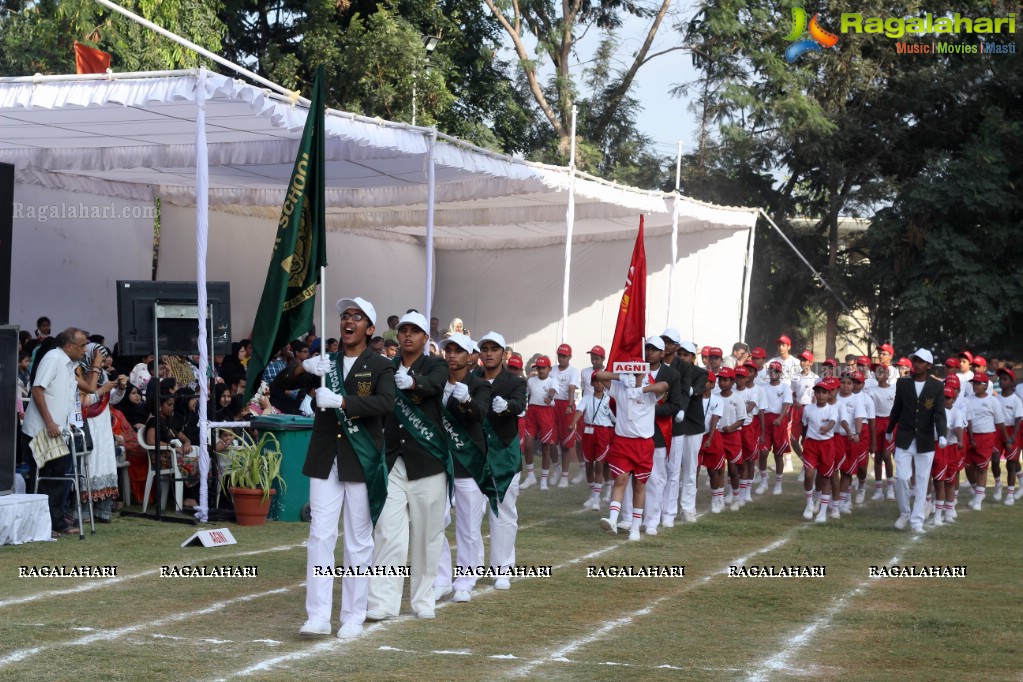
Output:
x=132 y=136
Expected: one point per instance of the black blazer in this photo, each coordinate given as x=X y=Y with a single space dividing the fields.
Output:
x=672 y=404
x=370 y=397
x=430 y=375
x=918 y=418
x=694 y=381
x=470 y=415
x=513 y=390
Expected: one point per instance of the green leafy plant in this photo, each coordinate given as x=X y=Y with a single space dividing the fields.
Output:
x=254 y=464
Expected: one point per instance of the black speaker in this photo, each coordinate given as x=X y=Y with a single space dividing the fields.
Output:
x=6 y=227
x=8 y=408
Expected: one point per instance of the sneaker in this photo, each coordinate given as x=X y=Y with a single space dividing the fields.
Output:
x=1019 y=488
x=579 y=478
x=670 y=523
x=878 y=494
x=822 y=516
x=528 y=482
x=1010 y=499
x=762 y=488
x=808 y=511
x=544 y=486
x=441 y=591
x=349 y=631
x=836 y=512
x=998 y=491
x=861 y=496
x=917 y=530
x=735 y=505
x=890 y=493
x=902 y=521
x=777 y=489
x=950 y=516
x=314 y=628
x=606 y=496
x=975 y=503
x=502 y=584
x=426 y=615
x=555 y=475
x=625 y=524
x=563 y=482
x=846 y=507
x=651 y=530
x=462 y=596
x=716 y=506
x=608 y=526
x=689 y=517
x=634 y=534
x=937 y=518
x=374 y=616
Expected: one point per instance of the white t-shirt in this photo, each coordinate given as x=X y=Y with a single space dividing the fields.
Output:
x=563 y=378
x=985 y=413
x=733 y=409
x=802 y=387
x=596 y=411
x=790 y=368
x=538 y=388
x=868 y=404
x=634 y=418
x=1012 y=409
x=869 y=383
x=1019 y=391
x=713 y=405
x=777 y=397
x=883 y=399
x=750 y=397
x=584 y=377
x=954 y=419
x=815 y=417
x=850 y=408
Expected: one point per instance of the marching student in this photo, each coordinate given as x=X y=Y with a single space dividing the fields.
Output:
x=789 y=364
x=867 y=444
x=904 y=367
x=714 y=360
x=514 y=368
x=947 y=461
x=668 y=405
x=777 y=406
x=885 y=354
x=965 y=374
x=752 y=433
x=411 y=526
x=733 y=415
x=632 y=450
x=979 y=366
x=712 y=447
x=597 y=433
x=987 y=424
x=802 y=395
x=883 y=397
x=597 y=357
x=863 y=367
x=819 y=421
x=1012 y=409
x=692 y=426
x=829 y=368
x=566 y=381
x=851 y=417
x=540 y=421
x=758 y=357
x=345 y=465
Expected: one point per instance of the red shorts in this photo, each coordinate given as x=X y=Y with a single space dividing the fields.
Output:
x=563 y=423
x=881 y=427
x=631 y=455
x=861 y=450
x=978 y=454
x=712 y=452
x=819 y=455
x=596 y=444
x=751 y=440
x=845 y=460
x=777 y=437
x=796 y=421
x=1011 y=454
x=732 y=445
x=540 y=423
x=956 y=462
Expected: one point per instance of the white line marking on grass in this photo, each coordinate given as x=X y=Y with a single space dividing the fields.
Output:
x=21 y=655
x=781 y=661
x=445 y=652
x=87 y=587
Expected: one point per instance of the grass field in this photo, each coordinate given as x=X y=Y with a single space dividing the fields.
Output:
x=704 y=626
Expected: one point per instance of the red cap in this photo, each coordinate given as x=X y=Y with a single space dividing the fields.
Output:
x=952 y=362
x=834 y=383
x=979 y=361
x=831 y=362
x=741 y=372
x=715 y=351
x=758 y=352
x=542 y=361
x=515 y=361
x=966 y=354
x=711 y=378
x=886 y=348
x=822 y=384
x=598 y=350
x=952 y=380
x=1007 y=372
x=705 y=351
x=857 y=376
x=775 y=365
x=806 y=355
x=863 y=360
x=784 y=339
x=751 y=366
x=726 y=373
x=904 y=362
x=950 y=392
x=874 y=366
x=979 y=378
x=564 y=349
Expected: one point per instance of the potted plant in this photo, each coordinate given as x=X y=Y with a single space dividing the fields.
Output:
x=251 y=470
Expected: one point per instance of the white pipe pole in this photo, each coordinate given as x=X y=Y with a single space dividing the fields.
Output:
x=747 y=278
x=431 y=187
x=678 y=167
x=674 y=236
x=202 y=180
x=569 y=226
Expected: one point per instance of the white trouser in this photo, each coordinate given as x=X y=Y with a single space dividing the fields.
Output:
x=470 y=504
x=690 y=464
x=673 y=465
x=905 y=460
x=655 y=486
x=412 y=522
x=327 y=498
x=503 y=529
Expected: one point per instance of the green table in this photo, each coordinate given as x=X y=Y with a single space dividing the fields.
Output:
x=293 y=432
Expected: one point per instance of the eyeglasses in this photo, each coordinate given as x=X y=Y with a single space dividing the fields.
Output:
x=358 y=317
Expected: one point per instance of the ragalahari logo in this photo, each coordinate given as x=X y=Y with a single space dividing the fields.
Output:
x=819 y=38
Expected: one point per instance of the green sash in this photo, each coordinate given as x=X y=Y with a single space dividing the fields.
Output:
x=504 y=460
x=464 y=449
x=422 y=428
x=374 y=464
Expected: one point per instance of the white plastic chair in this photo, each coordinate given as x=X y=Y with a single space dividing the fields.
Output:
x=172 y=474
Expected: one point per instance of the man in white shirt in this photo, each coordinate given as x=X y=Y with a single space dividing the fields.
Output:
x=789 y=363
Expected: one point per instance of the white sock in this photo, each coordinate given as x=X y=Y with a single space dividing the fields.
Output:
x=637 y=518
x=529 y=470
x=616 y=507
x=543 y=475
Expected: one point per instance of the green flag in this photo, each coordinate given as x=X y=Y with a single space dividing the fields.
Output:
x=286 y=309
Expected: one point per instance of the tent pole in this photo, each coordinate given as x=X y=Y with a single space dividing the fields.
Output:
x=674 y=235
x=569 y=226
x=747 y=276
x=431 y=182
x=202 y=171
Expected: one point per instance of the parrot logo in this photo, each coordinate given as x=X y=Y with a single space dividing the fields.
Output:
x=819 y=38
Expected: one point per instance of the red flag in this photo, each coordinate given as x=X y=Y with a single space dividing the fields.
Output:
x=90 y=60
x=629 y=340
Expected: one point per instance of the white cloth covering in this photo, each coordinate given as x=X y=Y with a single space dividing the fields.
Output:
x=24 y=518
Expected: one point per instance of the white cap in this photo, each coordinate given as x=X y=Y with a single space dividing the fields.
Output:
x=460 y=340
x=493 y=337
x=672 y=334
x=655 y=341
x=416 y=319
x=923 y=354
x=360 y=303
x=688 y=346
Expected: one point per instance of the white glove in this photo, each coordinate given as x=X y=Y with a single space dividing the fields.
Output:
x=889 y=436
x=942 y=442
x=326 y=398
x=318 y=365
x=628 y=380
x=635 y=394
x=500 y=404
x=461 y=392
x=306 y=408
x=680 y=416
x=403 y=381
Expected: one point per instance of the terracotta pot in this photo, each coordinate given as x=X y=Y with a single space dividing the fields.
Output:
x=249 y=507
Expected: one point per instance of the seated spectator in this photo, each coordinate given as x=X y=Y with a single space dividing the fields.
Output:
x=376 y=344
x=186 y=460
x=332 y=345
x=277 y=364
x=289 y=402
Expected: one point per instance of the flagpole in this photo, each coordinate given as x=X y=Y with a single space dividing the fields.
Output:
x=569 y=226
x=323 y=318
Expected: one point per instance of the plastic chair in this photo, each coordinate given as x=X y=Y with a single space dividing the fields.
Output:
x=172 y=474
x=79 y=471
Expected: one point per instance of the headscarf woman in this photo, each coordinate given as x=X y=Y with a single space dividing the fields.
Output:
x=96 y=412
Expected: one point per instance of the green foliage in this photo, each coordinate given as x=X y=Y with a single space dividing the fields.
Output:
x=254 y=464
